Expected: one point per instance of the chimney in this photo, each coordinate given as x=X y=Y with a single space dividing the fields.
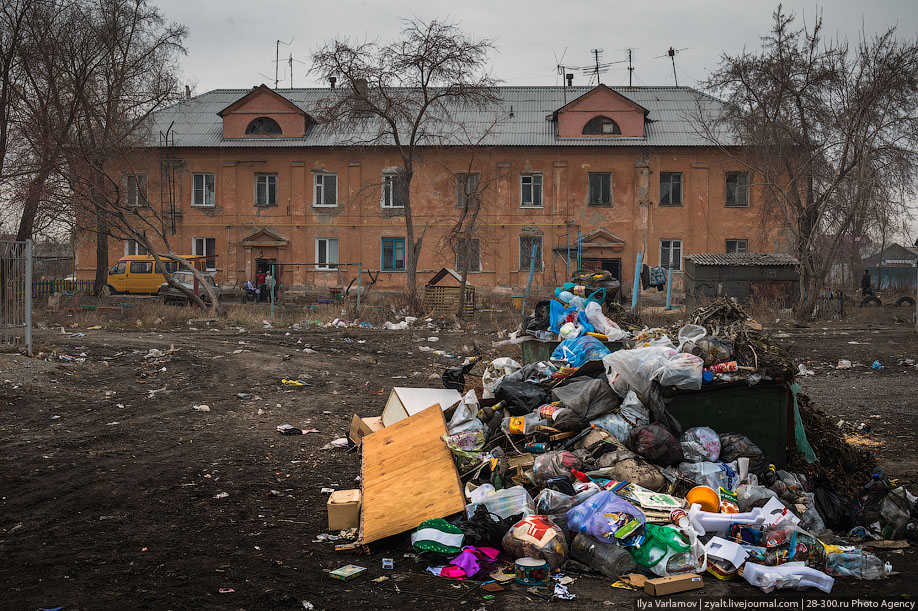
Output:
x=187 y=92
x=332 y=80
x=570 y=79
x=362 y=89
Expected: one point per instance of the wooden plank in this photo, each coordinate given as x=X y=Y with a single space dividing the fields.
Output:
x=407 y=476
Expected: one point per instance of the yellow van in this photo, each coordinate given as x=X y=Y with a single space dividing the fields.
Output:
x=136 y=274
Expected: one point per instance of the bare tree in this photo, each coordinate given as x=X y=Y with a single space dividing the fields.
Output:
x=827 y=131
x=405 y=94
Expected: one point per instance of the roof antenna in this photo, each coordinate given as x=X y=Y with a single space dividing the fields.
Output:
x=630 y=67
x=671 y=53
x=277 y=58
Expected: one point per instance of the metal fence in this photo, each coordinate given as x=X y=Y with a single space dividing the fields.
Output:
x=15 y=303
x=830 y=304
x=46 y=288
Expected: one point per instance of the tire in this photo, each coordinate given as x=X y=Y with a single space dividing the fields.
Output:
x=871 y=300
x=107 y=291
x=906 y=300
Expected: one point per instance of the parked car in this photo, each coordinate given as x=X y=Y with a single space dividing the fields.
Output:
x=186 y=279
x=137 y=274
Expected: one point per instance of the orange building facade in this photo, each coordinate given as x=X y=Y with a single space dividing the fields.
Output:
x=591 y=181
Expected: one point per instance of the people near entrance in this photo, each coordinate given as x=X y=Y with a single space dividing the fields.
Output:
x=251 y=291
x=271 y=285
x=260 y=282
x=865 y=284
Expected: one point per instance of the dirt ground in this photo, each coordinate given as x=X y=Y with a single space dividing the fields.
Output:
x=110 y=479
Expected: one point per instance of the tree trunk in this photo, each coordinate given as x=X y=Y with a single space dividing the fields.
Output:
x=101 y=254
x=30 y=205
x=412 y=247
x=466 y=251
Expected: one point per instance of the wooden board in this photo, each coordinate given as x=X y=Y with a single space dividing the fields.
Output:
x=407 y=476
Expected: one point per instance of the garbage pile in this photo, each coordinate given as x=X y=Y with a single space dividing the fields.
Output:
x=576 y=463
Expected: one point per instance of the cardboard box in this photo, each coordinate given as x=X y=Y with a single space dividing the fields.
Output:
x=404 y=402
x=343 y=509
x=671 y=585
x=361 y=427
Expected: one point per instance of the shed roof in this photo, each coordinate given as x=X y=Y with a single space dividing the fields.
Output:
x=443 y=273
x=195 y=122
x=743 y=259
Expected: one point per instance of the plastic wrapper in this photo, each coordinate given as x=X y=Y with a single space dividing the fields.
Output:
x=632 y=469
x=552 y=503
x=712 y=474
x=554 y=464
x=637 y=369
x=633 y=410
x=713 y=350
x=691 y=333
x=811 y=520
x=505 y=503
x=537 y=537
x=734 y=446
x=602 y=515
x=614 y=424
x=587 y=398
x=750 y=497
x=578 y=350
x=700 y=444
x=521 y=397
x=602 y=324
x=493 y=373
x=655 y=443
x=682 y=371
x=835 y=510
x=789 y=486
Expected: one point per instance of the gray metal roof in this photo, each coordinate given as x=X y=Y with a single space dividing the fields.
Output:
x=669 y=119
x=743 y=259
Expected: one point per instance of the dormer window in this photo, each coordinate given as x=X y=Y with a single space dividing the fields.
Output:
x=263 y=126
x=601 y=126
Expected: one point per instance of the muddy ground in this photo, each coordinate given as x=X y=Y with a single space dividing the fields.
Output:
x=109 y=477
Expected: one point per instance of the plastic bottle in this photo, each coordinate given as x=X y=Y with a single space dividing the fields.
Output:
x=609 y=559
x=857 y=564
x=522 y=425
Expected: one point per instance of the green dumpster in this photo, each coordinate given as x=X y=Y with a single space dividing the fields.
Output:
x=536 y=350
x=763 y=413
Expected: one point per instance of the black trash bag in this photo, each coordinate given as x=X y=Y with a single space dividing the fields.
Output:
x=486 y=529
x=734 y=445
x=655 y=443
x=833 y=509
x=454 y=377
x=542 y=319
x=521 y=397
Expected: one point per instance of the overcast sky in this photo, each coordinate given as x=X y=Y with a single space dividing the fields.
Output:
x=231 y=43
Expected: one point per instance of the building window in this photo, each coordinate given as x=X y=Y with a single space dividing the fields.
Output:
x=736 y=245
x=601 y=125
x=526 y=244
x=531 y=190
x=391 y=194
x=207 y=247
x=393 y=254
x=326 y=192
x=136 y=189
x=326 y=253
x=670 y=188
x=601 y=189
x=737 y=189
x=202 y=190
x=265 y=189
x=263 y=126
x=474 y=254
x=133 y=247
x=466 y=187
x=671 y=253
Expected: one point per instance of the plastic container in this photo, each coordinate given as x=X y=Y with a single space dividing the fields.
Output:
x=704 y=496
x=522 y=425
x=791 y=575
x=706 y=522
x=505 y=503
x=860 y=565
x=608 y=558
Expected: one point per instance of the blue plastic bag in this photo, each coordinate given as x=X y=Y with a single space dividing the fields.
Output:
x=579 y=350
x=602 y=515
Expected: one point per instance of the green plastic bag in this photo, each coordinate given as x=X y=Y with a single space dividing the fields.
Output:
x=660 y=543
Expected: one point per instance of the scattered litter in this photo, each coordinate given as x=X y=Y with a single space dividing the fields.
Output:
x=877 y=366
x=388 y=563
x=843 y=364
x=288 y=429
x=226 y=590
x=244 y=396
x=348 y=572
x=154 y=353
x=221 y=495
x=200 y=408
x=803 y=371
x=433 y=338
x=287 y=382
x=341 y=442
x=308 y=606
x=562 y=593
x=327 y=490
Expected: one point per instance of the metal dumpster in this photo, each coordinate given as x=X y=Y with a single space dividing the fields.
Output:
x=536 y=350
x=764 y=413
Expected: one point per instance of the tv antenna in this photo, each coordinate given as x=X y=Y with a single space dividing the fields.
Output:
x=290 y=61
x=629 y=54
x=671 y=53
x=277 y=60
x=598 y=66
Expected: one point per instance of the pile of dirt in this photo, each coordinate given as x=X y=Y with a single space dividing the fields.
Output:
x=845 y=466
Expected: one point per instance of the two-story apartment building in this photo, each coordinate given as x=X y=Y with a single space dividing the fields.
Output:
x=591 y=176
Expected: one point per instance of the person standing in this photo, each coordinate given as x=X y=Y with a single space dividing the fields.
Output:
x=260 y=281
x=270 y=283
x=865 y=284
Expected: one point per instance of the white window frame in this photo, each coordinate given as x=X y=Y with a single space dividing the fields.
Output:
x=319 y=188
x=134 y=195
x=268 y=178
x=133 y=247
x=540 y=265
x=743 y=204
x=388 y=196
x=207 y=255
x=744 y=241
x=535 y=180
x=477 y=249
x=327 y=265
x=203 y=191
x=672 y=244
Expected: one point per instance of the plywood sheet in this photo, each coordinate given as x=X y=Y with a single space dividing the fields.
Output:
x=407 y=476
